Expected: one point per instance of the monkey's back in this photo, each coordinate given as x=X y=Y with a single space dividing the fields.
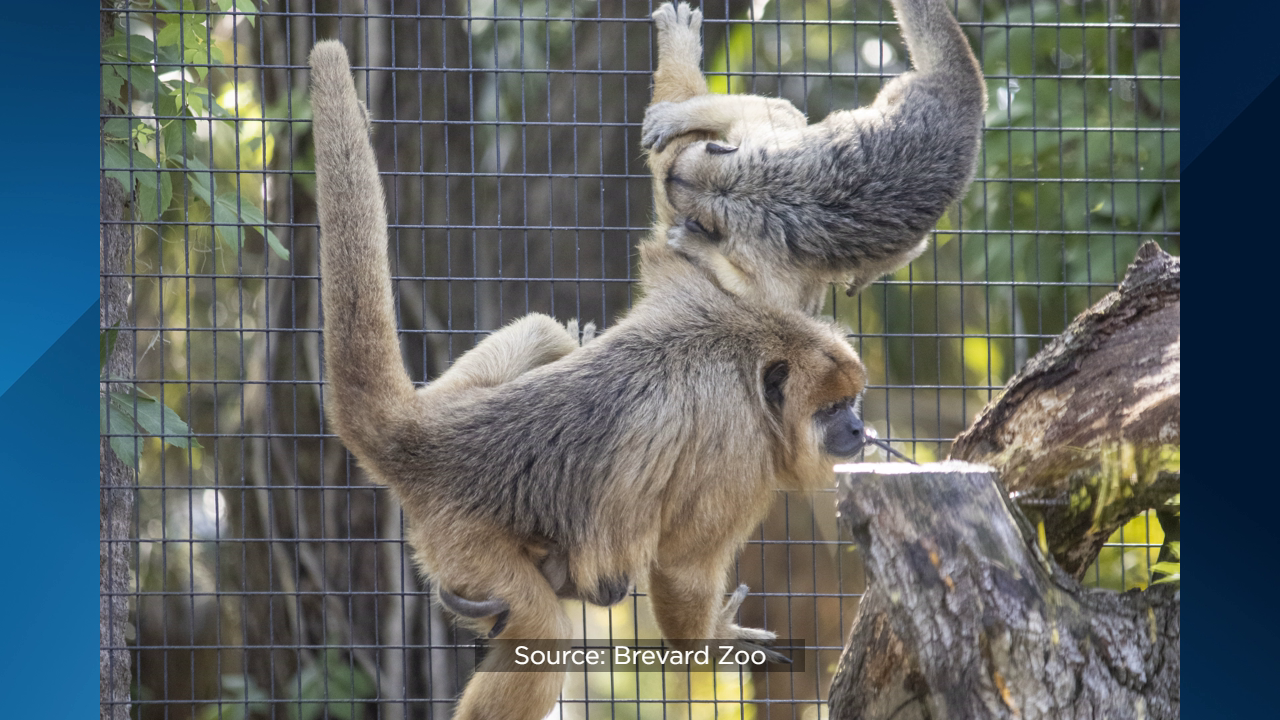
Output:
x=649 y=402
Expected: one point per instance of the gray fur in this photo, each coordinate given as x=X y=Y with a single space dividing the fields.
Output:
x=793 y=206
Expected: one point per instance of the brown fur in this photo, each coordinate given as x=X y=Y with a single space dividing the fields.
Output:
x=648 y=454
x=776 y=208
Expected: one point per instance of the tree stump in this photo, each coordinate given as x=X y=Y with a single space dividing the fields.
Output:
x=966 y=617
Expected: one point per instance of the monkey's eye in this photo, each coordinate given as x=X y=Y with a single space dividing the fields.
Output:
x=833 y=410
x=694 y=226
x=698 y=228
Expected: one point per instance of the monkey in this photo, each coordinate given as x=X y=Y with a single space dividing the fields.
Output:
x=779 y=208
x=539 y=465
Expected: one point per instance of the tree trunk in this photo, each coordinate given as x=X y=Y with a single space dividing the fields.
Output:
x=117 y=479
x=965 y=617
x=1087 y=435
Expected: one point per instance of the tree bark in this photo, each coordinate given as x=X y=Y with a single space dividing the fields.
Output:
x=965 y=617
x=1087 y=435
x=115 y=522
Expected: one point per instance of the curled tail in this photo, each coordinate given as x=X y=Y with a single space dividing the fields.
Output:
x=367 y=382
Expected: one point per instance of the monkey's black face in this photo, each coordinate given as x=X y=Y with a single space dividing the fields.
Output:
x=842 y=432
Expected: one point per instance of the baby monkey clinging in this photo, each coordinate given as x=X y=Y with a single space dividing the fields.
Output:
x=777 y=208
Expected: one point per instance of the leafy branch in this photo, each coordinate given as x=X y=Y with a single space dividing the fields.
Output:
x=151 y=156
x=135 y=412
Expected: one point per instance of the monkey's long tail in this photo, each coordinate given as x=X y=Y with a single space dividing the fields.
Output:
x=367 y=382
x=937 y=44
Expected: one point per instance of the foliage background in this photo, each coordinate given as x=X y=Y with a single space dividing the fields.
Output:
x=268 y=579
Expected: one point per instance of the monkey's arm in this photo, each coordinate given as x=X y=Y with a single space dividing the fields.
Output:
x=366 y=380
x=730 y=117
x=679 y=73
x=681 y=103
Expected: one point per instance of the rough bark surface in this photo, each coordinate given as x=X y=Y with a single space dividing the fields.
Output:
x=1089 y=430
x=965 y=618
x=117 y=480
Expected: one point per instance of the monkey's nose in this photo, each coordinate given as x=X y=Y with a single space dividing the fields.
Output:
x=848 y=439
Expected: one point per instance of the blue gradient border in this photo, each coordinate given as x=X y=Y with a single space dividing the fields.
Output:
x=49 y=361
x=1230 y=159
x=48 y=365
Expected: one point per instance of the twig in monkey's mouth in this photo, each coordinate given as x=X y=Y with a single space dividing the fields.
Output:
x=884 y=445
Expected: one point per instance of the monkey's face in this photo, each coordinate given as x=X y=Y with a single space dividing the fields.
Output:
x=814 y=394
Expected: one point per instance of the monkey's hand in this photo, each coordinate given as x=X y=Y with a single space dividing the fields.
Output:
x=725 y=116
x=749 y=639
x=663 y=122
x=583 y=336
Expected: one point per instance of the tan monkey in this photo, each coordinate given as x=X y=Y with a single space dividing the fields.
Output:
x=535 y=467
x=778 y=208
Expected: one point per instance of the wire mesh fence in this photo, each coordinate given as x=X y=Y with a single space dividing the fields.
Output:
x=263 y=576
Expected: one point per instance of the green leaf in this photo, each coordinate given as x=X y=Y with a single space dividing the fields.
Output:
x=170 y=33
x=117 y=127
x=113 y=88
x=1170 y=570
x=229 y=211
x=334 y=679
x=140 y=78
x=154 y=197
x=116 y=163
x=121 y=423
x=254 y=217
x=247 y=7
x=154 y=418
x=107 y=344
x=133 y=48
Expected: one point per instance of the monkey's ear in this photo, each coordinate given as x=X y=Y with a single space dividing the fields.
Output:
x=774 y=377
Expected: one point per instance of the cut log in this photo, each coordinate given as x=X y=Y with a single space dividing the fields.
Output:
x=965 y=616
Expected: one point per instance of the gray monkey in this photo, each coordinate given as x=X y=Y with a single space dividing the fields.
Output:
x=778 y=208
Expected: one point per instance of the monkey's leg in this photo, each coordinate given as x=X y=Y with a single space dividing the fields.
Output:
x=687 y=595
x=731 y=117
x=499 y=692
x=679 y=74
x=532 y=341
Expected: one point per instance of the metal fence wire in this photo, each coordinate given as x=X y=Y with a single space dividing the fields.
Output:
x=266 y=578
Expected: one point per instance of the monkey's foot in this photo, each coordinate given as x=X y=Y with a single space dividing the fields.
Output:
x=679 y=34
x=744 y=638
x=478 y=609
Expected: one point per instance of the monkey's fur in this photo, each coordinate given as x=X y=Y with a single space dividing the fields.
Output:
x=777 y=208
x=649 y=453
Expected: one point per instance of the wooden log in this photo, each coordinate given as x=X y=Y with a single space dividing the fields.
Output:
x=966 y=617
x=1089 y=431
